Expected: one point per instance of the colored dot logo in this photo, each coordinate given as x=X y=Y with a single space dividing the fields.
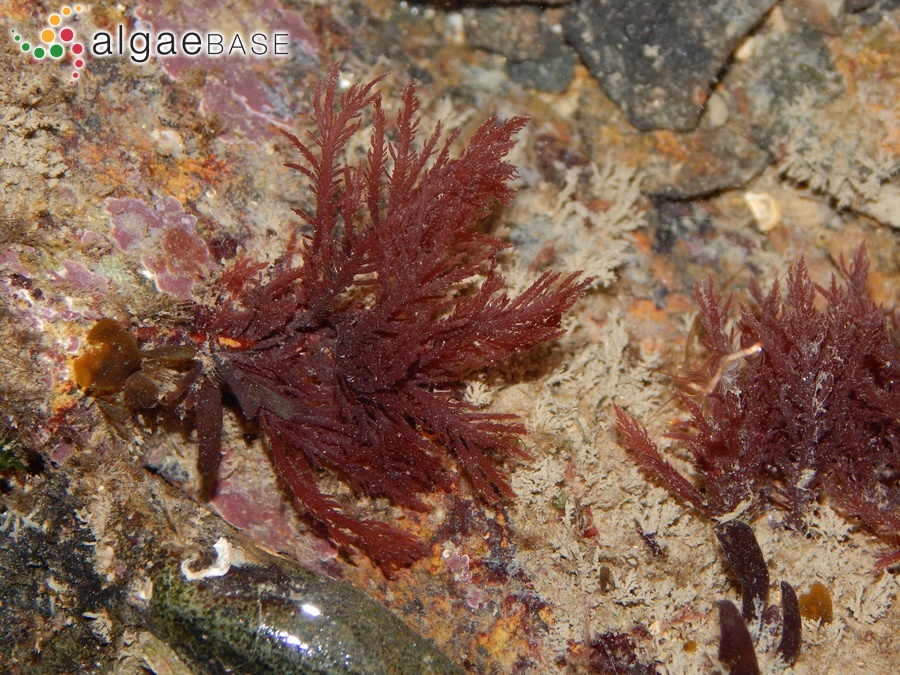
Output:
x=56 y=41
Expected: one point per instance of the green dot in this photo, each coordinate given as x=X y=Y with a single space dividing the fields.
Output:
x=39 y=52
x=18 y=37
x=25 y=46
x=56 y=51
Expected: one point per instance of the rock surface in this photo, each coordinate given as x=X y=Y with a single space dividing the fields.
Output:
x=658 y=60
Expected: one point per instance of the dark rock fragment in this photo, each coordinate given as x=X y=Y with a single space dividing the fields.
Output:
x=857 y=5
x=551 y=74
x=788 y=74
x=657 y=60
x=514 y=32
x=537 y=57
x=492 y=3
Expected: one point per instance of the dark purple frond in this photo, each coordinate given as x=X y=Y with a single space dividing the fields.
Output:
x=746 y=560
x=736 y=648
x=791 y=626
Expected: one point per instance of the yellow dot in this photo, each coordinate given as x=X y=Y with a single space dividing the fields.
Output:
x=54 y=19
x=66 y=11
x=77 y=8
x=47 y=35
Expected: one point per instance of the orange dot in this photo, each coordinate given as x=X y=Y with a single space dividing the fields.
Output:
x=48 y=35
x=54 y=19
x=77 y=8
x=66 y=11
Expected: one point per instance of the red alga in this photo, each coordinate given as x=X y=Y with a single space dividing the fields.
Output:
x=353 y=361
x=817 y=410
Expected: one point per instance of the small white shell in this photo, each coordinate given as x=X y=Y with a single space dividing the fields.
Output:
x=765 y=208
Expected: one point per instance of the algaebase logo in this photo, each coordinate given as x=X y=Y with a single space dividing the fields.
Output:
x=56 y=41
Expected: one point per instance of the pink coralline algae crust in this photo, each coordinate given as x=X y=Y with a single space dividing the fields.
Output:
x=459 y=566
x=239 y=89
x=40 y=298
x=34 y=306
x=261 y=512
x=76 y=276
x=15 y=284
x=166 y=239
x=9 y=260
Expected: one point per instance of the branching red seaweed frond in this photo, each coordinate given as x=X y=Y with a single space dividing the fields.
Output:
x=817 y=410
x=354 y=361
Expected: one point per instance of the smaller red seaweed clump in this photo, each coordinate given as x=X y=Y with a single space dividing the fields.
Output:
x=353 y=362
x=816 y=411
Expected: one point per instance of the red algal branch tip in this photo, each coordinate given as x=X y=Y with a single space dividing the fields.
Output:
x=353 y=362
x=815 y=410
